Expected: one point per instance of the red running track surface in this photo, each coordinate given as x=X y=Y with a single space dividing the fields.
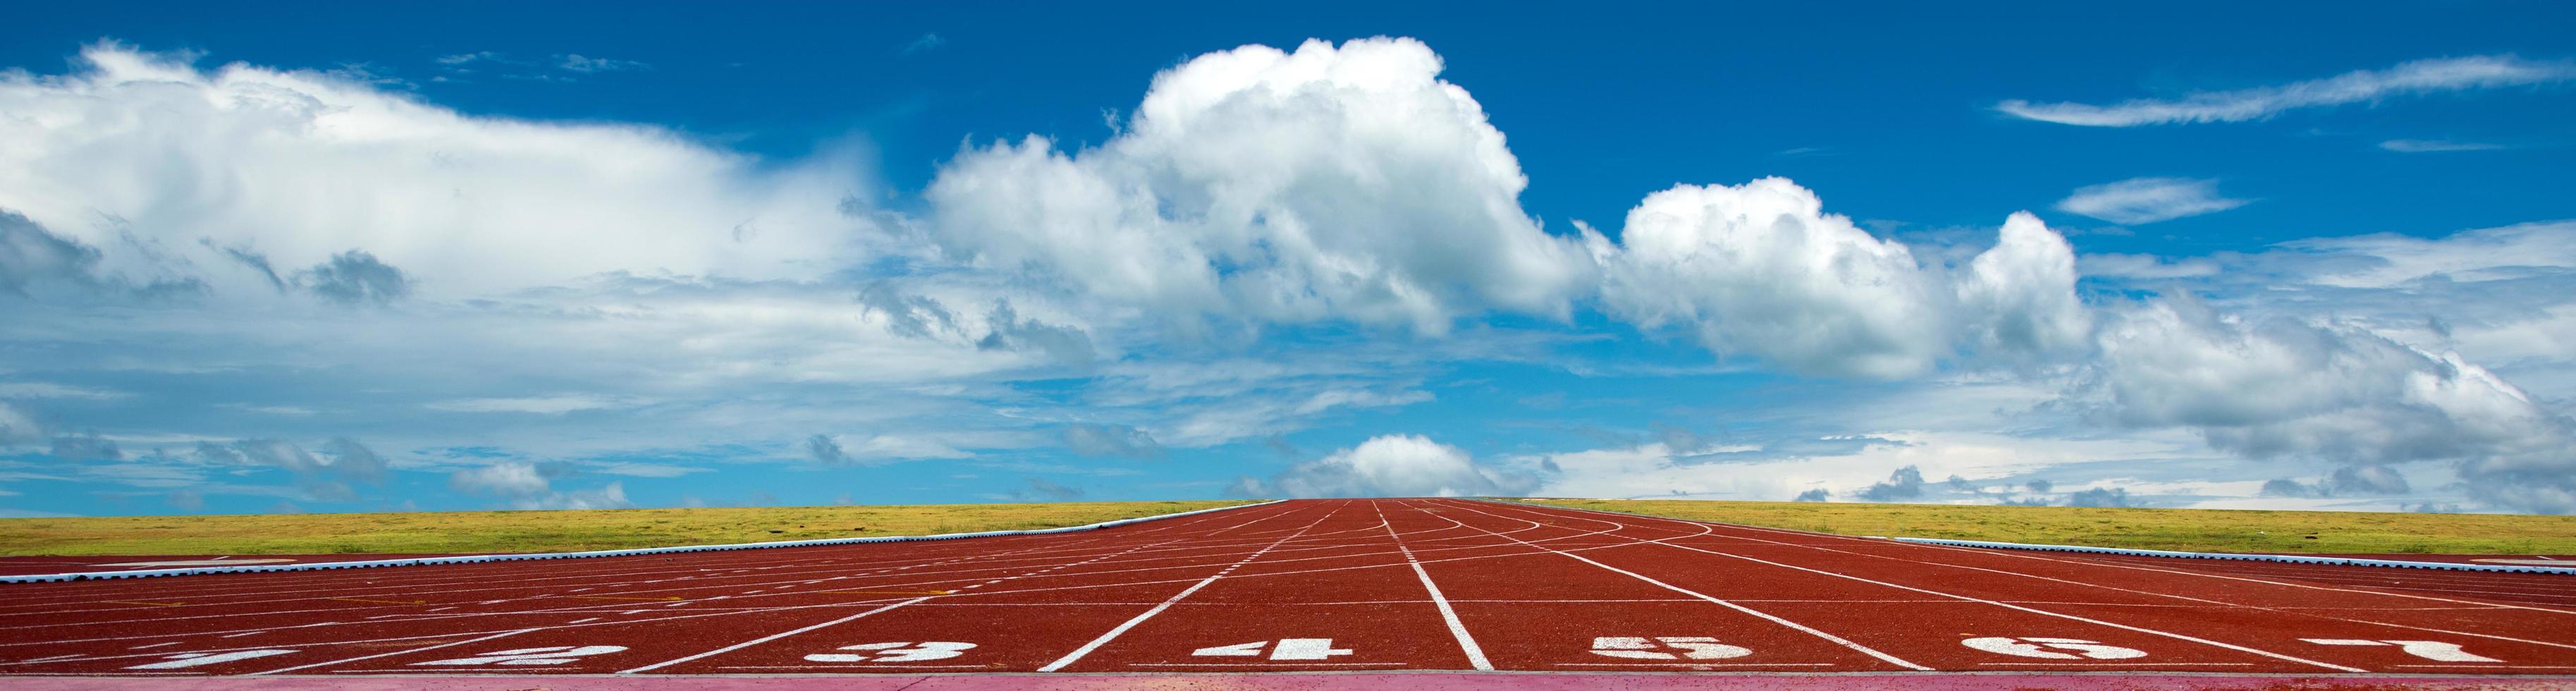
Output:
x=1393 y=585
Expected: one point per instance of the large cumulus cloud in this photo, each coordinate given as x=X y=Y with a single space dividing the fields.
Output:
x=242 y=173
x=1330 y=183
x=1760 y=269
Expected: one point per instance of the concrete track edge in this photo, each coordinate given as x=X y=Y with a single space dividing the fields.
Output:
x=486 y=558
x=2282 y=558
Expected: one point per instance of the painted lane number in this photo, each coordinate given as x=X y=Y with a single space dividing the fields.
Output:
x=895 y=652
x=1666 y=648
x=2053 y=648
x=184 y=660
x=2430 y=650
x=1288 y=649
x=549 y=655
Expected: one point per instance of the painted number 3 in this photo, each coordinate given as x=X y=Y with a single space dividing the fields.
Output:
x=1666 y=648
x=2053 y=648
x=895 y=652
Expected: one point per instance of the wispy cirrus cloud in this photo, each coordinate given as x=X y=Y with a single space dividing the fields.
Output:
x=2418 y=146
x=2240 y=105
x=2148 y=200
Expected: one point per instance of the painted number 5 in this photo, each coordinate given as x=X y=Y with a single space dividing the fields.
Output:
x=2053 y=648
x=895 y=652
x=1666 y=648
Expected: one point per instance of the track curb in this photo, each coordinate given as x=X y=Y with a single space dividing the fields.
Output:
x=642 y=551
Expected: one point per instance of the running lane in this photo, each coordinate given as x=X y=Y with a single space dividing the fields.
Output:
x=1395 y=585
x=2019 y=610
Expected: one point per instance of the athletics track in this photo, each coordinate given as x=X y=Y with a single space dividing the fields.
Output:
x=1368 y=586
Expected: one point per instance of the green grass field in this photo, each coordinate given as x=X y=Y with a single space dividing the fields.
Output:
x=474 y=532
x=2334 y=532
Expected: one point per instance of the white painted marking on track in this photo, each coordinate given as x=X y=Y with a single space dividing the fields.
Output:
x=1122 y=628
x=1690 y=647
x=244 y=633
x=155 y=645
x=768 y=638
x=182 y=660
x=544 y=655
x=905 y=651
x=405 y=651
x=2138 y=629
x=2052 y=648
x=2437 y=651
x=1457 y=629
x=577 y=621
x=1802 y=628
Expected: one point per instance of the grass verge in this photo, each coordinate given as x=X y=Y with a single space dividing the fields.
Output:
x=475 y=532
x=2199 y=530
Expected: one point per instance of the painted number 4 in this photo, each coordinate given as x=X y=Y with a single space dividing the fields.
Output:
x=1666 y=648
x=1288 y=649
x=549 y=655
x=895 y=652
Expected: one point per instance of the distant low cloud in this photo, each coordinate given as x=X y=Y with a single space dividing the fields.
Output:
x=355 y=278
x=2147 y=200
x=1905 y=483
x=526 y=485
x=1395 y=465
x=2406 y=79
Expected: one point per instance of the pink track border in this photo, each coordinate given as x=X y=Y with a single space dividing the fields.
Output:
x=1428 y=681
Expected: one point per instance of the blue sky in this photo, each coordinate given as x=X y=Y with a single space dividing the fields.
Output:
x=341 y=258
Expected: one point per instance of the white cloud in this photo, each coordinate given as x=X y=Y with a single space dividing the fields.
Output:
x=576 y=63
x=2148 y=200
x=2285 y=389
x=527 y=486
x=37 y=389
x=1330 y=184
x=17 y=427
x=2471 y=255
x=2417 y=146
x=1760 y=269
x=543 y=405
x=2018 y=297
x=2405 y=79
x=2145 y=266
x=1389 y=466
x=238 y=175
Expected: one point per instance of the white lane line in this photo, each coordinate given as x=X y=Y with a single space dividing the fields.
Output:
x=1694 y=665
x=854 y=617
x=1802 y=628
x=2006 y=605
x=397 y=652
x=1458 y=630
x=1113 y=634
x=155 y=645
x=771 y=637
